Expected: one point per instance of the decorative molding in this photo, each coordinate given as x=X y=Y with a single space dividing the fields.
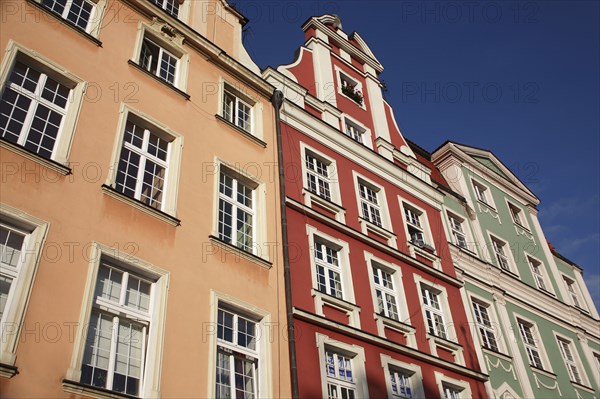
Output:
x=509 y=369
x=539 y=383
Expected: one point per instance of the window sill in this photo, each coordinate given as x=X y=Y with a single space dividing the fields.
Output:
x=444 y=343
x=394 y=324
x=165 y=217
x=337 y=210
x=487 y=206
x=83 y=33
x=367 y=226
x=361 y=106
x=246 y=133
x=156 y=78
x=48 y=163
x=432 y=257
x=352 y=310
x=583 y=387
x=543 y=372
x=240 y=253
x=492 y=352
x=8 y=371
x=93 y=392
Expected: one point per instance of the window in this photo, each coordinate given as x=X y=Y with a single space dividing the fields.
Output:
x=516 y=214
x=236 y=211
x=236 y=110
x=158 y=61
x=34 y=109
x=369 y=205
x=433 y=312
x=387 y=304
x=567 y=352
x=78 y=12
x=317 y=176
x=481 y=193
x=456 y=225
x=400 y=383
x=500 y=253
x=170 y=6
x=341 y=383
x=21 y=238
x=415 y=229
x=115 y=347
x=328 y=269
x=143 y=167
x=354 y=131
x=572 y=289
x=450 y=392
x=527 y=335
x=350 y=88
x=538 y=274
x=119 y=350
x=484 y=325
x=237 y=355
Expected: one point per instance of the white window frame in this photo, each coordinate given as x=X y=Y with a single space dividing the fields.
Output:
x=259 y=247
x=242 y=95
x=264 y=341
x=412 y=371
x=347 y=303
x=424 y=227
x=171 y=183
x=574 y=362
x=494 y=327
x=461 y=229
x=183 y=8
x=535 y=345
x=342 y=76
x=355 y=353
x=60 y=152
x=517 y=215
x=385 y=229
x=94 y=22
x=357 y=131
x=99 y=253
x=403 y=324
x=574 y=292
x=541 y=278
x=35 y=231
x=171 y=45
x=483 y=194
x=334 y=205
x=443 y=381
x=504 y=251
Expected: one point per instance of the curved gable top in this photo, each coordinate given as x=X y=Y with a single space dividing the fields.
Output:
x=363 y=45
x=482 y=158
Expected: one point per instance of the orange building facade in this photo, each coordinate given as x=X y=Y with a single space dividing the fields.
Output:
x=139 y=208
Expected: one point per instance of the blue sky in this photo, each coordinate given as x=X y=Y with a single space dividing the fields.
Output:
x=521 y=78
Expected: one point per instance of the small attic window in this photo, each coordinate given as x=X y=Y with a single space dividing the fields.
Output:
x=350 y=88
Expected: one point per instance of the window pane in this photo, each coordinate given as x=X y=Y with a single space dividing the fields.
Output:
x=11 y=244
x=128 y=360
x=108 y=284
x=138 y=294
x=225 y=326
x=223 y=388
x=5 y=283
x=97 y=351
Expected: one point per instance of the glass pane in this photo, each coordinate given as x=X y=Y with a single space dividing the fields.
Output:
x=11 y=244
x=225 y=326
x=223 y=388
x=138 y=294
x=97 y=350
x=108 y=284
x=5 y=283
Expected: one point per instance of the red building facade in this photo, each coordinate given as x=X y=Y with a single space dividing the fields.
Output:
x=377 y=308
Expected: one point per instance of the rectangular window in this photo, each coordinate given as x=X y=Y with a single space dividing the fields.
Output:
x=401 y=383
x=143 y=164
x=370 y=208
x=341 y=383
x=354 y=131
x=77 y=12
x=566 y=351
x=170 y=6
x=317 y=176
x=456 y=225
x=572 y=289
x=329 y=279
x=158 y=61
x=433 y=312
x=450 y=392
x=499 y=250
x=236 y=212
x=533 y=354
x=237 y=355
x=33 y=109
x=236 y=110
x=385 y=293
x=115 y=348
x=484 y=325
x=415 y=230
x=11 y=258
x=481 y=192
x=536 y=268
x=516 y=214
